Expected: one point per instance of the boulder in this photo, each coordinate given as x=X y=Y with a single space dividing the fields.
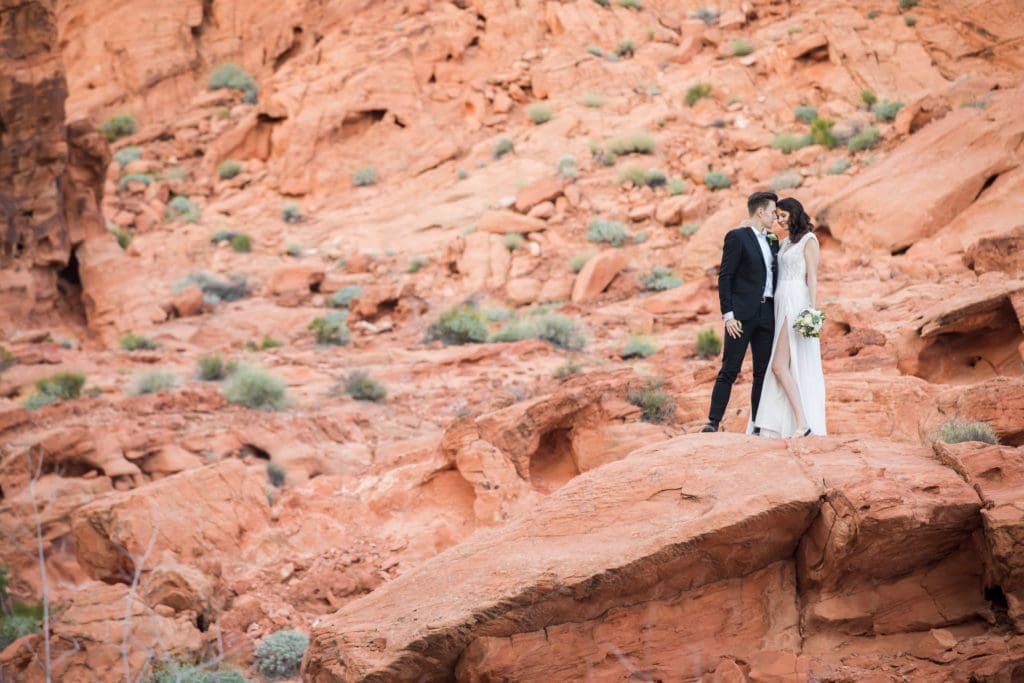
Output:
x=597 y=274
x=188 y=301
x=294 y=283
x=503 y=222
x=1002 y=252
x=546 y=190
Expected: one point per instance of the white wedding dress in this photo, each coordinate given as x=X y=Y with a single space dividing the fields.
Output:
x=774 y=414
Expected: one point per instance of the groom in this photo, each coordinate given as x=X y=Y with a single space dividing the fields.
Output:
x=746 y=283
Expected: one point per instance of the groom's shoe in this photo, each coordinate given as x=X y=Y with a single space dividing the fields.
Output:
x=756 y=431
x=709 y=427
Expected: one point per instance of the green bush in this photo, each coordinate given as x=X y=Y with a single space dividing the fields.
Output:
x=223 y=236
x=611 y=232
x=360 y=386
x=676 y=186
x=637 y=143
x=127 y=155
x=462 y=174
x=215 y=289
x=501 y=148
x=343 y=297
x=659 y=279
x=459 y=325
x=211 y=367
x=154 y=381
x=119 y=126
x=229 y=169
x=697 y=92
x=592 y=100
x=633 y=175
x=821 y=133
x=560 y=330
x=787 y=180
x=137 y=342
x=291 y=213
x=177 y=672
x=638 y=347
x=567 y=167
x=330 y=330
x=539 y=113
x=687 y=229
x=708 y=343
x=365 y=176
x=63 y=386
x=625 y=48
x=886 y=110
x=717 y=180
x=181 y=208
x=805 y=113
x=6 y=359
x=232 y=76
x=577 y=262
x=16 y=619
x=910 y=20
x=123 y=237
x=277 y=475
x=839 y=166
x=270 y=343
x=294 y=250
x=512 y=240
x=907 y=4
x=789 y=143
x=866 y=139
x=631 y=4
x=873 y=14
x=868 y=98
x=416 y=264
x=639 y=237
x=655 y=177
x=603 y=3
x=133 y=178
x=280 y=654
x=656 y=406
x=741 y=48
x=955 y=431
x=568 y=369
x=255 y=388
x=241 y=243
x=595 y=50
x=705 y=14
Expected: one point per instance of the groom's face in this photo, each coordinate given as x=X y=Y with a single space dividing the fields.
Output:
x=768 y=214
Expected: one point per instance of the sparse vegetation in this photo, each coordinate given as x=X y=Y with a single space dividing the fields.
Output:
x=123 y=237
x=119 y=126
x=709 y=344
x=907 y=4
x=688 y=229
x=127 y=155
x=512 y=240
x=697 y=92
x=122 y=184
x=603 y=3
x=839 y=166
x=16 y=619
x=462 y=174
x=178 y=672
x=637 y=143
x=222 y=236
x=821 y=133
x=656 y=405
x=293 y=249
x=232 y=76
x=886 y=110
x=788 y=143
x=215 y=289
x=805 y=113
x=910 y=20
x=956 y=431
x=631 y=4
x=416 y=264
x=740 y=48
x=241 y=243
x=717 y=180
x=267 y=343
x=6 y=359
x=291 y=213
x=652 y=177
x=211 y=367
x=344 y=296
x=501 y=148
x=137 y=342
x=577 y=262
x=539 y=113
x=592 y=100
x=625 y=48
x=611 y=232
x=229 y=169
x=277 y=475
x=567 y=167
x=360 y=386
x=873 y=14
x=638 y=347
x=365 y=176
x=595 y=50
x=181 y=208
x=560 y=330
x=568 y=369
x=154 y=381
x=789 y=179
x=330 y=330
x=707 y=15
x=659 y=279
x=459 y=325
x=866 y=139
x=254 y=387
x=63 y=386
x=279 y=655
x=676 y=186
x=868 y=98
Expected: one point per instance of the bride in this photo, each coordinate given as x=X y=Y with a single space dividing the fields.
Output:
x=793 y=398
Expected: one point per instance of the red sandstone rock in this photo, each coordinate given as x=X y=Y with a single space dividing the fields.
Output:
x=597 y=274
x=541 y=191
x=503 y=222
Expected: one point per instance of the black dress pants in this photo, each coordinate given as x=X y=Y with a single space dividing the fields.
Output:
x=758 y=334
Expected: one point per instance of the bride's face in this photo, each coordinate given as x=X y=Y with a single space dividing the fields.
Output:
x=782 y=219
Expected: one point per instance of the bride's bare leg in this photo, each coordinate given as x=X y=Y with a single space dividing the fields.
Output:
x=780 y=366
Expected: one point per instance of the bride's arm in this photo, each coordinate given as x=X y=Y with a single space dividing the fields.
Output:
x=811 y=255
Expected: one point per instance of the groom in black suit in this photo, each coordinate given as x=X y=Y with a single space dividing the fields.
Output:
x=746 y=284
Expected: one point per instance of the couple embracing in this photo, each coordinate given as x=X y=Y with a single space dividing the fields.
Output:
x=768 y=292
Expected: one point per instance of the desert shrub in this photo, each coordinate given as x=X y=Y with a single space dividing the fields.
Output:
x=229 y=169
x=638 y=347
x=459 y=325
x=603 y=3
x=866 y=139
x=625 y=48
x=16 y=619
x=592 y=100
x=868 y=98
x=707 y=15
x=955 y=431
x=637 y=143
x=137 y=342
x=215 y=289
x=687 y=229
x=886 y=110
x=293 y=249
x=154 y=381
x=360 y=386
x=6 y=359
x=567 y=167
x=568 y=369
x=254 y=387
x=631 y=4
x=717 y=180
x=123 y=237
x=241 y=243
x=501 y=148
x=291 y=213
x=512 y=240
x=788 y=143
x=211 y=367
x=63 y=386
x=639 y=237
x=462 y=174
x=330 y=330
x=611 y=232
x=416 y=264
x=633 y=175
x=655 y=177
x=277 y=475
x=655 y=404
x=821 y=133
x=659 y=279
x=787 y=180
x=181 y=208
x=280 y=654
x=910 y=20
x=133 y=178
x=365 y=176
x=595 y=50
x=560 y=330
x=577 y=262
x=119 y=126
x=740 y=48
x=222 y=236
x=232 y=76
x=708 y=343
x=676 y=186
x=343 y=297
x=127 y=155
x=873 y=14
x=176 y=672
x=839 y=166
x=539 y=113
x=907 y=4
x=697 y=92
x=805 y=113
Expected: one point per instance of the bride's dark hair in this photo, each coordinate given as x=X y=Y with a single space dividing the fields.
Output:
x=799 y=221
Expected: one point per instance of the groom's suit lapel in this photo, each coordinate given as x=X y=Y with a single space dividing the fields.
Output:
x=756 y=255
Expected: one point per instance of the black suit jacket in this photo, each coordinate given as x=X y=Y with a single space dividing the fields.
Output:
x=741 y=277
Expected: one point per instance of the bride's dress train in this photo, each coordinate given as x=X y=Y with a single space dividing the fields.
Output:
x=775 y=415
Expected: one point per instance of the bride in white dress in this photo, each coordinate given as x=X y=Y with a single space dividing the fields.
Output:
x=793 y=398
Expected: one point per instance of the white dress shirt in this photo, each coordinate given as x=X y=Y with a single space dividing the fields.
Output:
x=766 y=253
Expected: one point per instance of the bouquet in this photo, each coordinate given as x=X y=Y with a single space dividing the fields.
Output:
x=809 y=322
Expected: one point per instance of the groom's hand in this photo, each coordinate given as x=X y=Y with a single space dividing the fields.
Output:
x=734 y=328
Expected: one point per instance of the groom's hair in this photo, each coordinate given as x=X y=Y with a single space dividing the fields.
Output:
x=760 y=199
